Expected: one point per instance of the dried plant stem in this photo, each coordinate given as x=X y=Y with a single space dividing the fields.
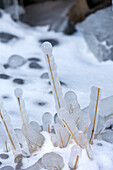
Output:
x=53 y=82
x=85 y=130
x=7 y=131
x=71 y=107
x=76 y=162
x=88 y=153
x=48 y=129
x=21 y=111
x=95 y=116
x=108 y=116
x=71 y=133
x=98 y=133
x=29 y=142
x=61 y=140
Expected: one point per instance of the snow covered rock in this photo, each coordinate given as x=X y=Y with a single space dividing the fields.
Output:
x=16 y=61
x=6 y=37
x=98 y=33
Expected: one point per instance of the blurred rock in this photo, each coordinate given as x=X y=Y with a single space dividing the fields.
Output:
x=4 y=156
x=6 y=37
x=44 y=76
x=0 y=14
x=34 y=65
x=7 y=168
x=52 y=41
x=53 y=13
x=82 y=8
x=98 y=31
x=34 y=59
x=16 y=61
x=79 y=10
x=4 y=76
x=18 y=81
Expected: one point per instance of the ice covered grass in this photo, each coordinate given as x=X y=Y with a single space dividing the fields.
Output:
x=81 y=71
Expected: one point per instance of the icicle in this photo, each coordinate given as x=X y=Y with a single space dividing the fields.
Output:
x=3 y=138
x=47 y=122
x=10 y=132
x=75 y=154
x=93 y=112
x=57 y=90
x=62 y=135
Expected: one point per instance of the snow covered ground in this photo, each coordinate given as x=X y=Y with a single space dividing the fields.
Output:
x=77 y=68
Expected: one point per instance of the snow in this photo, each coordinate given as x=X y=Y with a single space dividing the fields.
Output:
x=77 y=67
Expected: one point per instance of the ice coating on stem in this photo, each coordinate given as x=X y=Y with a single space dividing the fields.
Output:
x=93 y=112
x=54 y=139
x=18 y=93
x=81 y=119
x=73 y=159
x=10 y=132
x=1 y=104
x=52 y=161
x=34 y=139
x=35 y=126
x=62 y=135
x=47 y=121
x=3 y=138
x=22 y=141
x=24 y=112
x=52 y=69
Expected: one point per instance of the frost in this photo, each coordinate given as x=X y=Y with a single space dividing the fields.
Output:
x=18 y=93
x=47 y=121
x=75 y=154
x=62 y=135
x=52 y=161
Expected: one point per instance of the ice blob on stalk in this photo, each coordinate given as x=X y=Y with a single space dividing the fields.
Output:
x=47 y=121
x=18 y=93
x=75 y=154
x=47 y=48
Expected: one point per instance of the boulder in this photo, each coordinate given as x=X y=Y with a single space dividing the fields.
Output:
x=98 y=31
x=82 y=8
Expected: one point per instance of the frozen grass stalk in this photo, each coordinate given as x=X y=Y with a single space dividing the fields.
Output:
x=9 y=130
x=57 y=90
x=93 y=112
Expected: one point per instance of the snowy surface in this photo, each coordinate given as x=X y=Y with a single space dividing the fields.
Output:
x=77 y=67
